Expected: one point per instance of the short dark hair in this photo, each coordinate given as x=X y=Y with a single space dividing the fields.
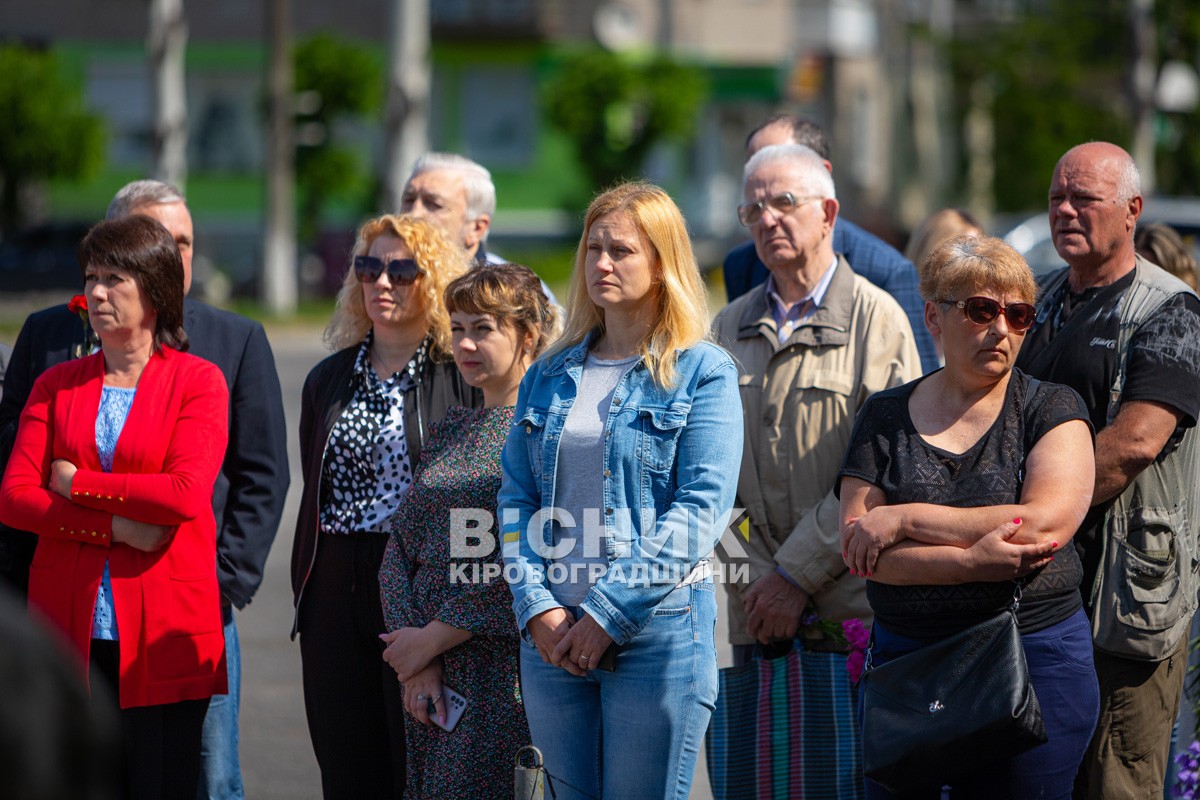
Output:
x=511 y=293
x=146 y=250
x=804 y=131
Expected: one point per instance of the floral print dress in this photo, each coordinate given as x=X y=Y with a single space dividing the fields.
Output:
x=459 y=468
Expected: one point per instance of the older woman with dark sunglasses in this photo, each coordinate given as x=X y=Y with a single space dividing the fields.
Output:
x=963 y=481
x=366 y=413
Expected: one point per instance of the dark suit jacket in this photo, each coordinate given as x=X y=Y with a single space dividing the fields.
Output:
x=869 y=256
x=251 y=488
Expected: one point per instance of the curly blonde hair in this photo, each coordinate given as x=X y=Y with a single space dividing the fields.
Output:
x=441 y=260
x=682 y=299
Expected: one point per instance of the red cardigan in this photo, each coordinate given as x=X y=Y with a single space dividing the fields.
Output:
x=167 y=603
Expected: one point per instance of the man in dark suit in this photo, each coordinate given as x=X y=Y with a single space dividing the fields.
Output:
x=249 y=493
x=868 y=255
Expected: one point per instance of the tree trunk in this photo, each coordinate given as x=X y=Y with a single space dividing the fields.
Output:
x=1141 y=89
x=279 y=290
x=407 y=123
x=166 y=44
x=980 y=140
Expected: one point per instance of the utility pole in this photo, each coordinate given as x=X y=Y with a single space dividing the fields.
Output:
x=928 y=94
x=279 y=289
x=1142 y=79
x=166 y=44
x=407 y=114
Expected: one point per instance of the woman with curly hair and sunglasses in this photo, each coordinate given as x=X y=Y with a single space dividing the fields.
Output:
x=968 y=479
x=365 y=416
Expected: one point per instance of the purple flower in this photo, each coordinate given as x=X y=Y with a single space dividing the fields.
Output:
x=854 y=665
x=857 y=636
x=1187 y=781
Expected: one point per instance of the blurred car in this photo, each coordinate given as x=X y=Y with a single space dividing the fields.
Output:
x=42 y=258
x=1030 y=236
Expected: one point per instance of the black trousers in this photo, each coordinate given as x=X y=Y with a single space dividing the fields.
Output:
x=351 y=695
x=161 y=744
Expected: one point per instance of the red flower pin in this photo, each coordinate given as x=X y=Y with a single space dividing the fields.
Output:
x=78 y=305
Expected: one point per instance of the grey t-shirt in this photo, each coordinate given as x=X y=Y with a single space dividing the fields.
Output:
x=579 y=489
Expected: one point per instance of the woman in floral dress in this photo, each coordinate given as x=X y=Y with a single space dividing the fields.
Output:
x=445 y=601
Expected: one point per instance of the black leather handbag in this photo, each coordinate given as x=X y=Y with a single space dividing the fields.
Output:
x=950 y=708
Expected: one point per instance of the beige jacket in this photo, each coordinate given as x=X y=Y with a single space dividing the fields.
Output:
x=799 y=401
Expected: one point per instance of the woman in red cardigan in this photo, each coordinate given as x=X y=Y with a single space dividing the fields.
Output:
x=113 y=467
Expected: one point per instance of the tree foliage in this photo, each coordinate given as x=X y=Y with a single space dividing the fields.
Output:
x=615 y=109
x=343 y=80
x=1178 y=157
x=1058 y=74
x=45 y=132
x=1055 y=77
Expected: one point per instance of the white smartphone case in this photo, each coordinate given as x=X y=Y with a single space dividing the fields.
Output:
x=455 y=705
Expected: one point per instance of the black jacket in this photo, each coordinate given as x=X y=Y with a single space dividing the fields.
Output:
x=328 y=389
x=251 y=488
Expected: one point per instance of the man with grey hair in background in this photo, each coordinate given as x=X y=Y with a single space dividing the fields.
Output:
x=251 y=488
x=867 y=255
x=457 y=194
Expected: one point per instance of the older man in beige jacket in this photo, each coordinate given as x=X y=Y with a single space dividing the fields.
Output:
x=811 y=345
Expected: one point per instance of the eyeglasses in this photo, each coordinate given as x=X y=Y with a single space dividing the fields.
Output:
x=780 y=204
x=984 y=310
x=400 y=271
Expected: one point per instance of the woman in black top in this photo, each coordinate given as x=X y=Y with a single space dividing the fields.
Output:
x=973 y=476
x=365 y=416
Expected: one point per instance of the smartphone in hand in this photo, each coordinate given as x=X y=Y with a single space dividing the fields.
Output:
x=453 y=705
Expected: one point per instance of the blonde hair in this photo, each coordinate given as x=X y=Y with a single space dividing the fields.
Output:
x=937 y=228
x=512 y=294
x=441 y=259
x=966 y=265
x=682 y=318
x=1162 y=244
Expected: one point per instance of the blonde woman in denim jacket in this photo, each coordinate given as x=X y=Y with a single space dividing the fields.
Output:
x=631 y=428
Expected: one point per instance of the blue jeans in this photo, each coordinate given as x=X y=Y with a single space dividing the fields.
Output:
x=220 y=771
x=1064 y=679
x=636 y=731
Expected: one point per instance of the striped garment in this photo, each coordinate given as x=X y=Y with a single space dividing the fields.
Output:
x=786 y=728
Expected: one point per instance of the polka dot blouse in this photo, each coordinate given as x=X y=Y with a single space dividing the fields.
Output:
x=367 y=471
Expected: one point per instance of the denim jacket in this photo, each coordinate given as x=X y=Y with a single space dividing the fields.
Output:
x=671 y=460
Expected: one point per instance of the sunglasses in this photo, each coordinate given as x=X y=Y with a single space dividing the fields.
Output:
x=984 y=310
x=780 y=204
x=400 y=271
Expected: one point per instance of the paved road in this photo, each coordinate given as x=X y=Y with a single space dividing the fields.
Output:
x=277 y=757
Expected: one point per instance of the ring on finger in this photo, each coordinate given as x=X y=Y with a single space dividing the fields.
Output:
x=421 y=697
x=435 y=700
